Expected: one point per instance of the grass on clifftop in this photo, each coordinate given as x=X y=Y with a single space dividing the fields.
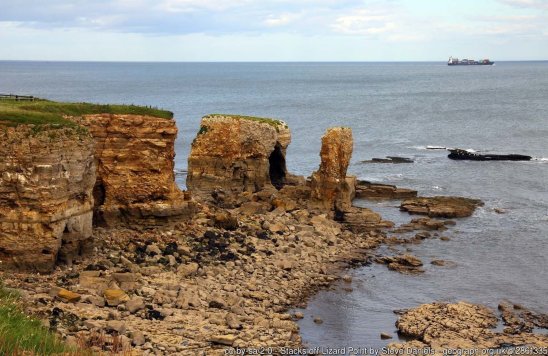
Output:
x=271 y=122
x=42 y=112
x=23 y=335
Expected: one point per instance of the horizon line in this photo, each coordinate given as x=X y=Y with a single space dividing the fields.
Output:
x=251 y=61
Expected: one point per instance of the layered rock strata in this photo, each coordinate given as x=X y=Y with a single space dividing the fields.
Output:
x=135 y=177
x=237 y=154
x=46 y=204
x=330 y=187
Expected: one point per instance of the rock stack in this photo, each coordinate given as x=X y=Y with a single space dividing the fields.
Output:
x=330 y=186
x=238 y=154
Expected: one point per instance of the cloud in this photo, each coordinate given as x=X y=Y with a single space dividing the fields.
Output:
x=174 y=16
x=534 y=4
x=381 y=21
x=364 y=22
x=280 y=20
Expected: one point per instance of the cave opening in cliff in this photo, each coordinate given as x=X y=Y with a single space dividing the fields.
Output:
x=277 y=167
x=99 y=195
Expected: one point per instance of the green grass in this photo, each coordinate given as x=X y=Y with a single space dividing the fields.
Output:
x=271 y=122
x=20 y=333
x=45 y=112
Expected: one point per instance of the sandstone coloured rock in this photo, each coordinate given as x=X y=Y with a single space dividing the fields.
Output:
x=46 y=204
x=135 y=178
x=461 y=325
x=238 y=153
x=406 y=264
x=330 y=187
x=115 y=297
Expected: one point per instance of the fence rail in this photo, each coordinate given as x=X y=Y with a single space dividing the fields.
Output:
x=16 y=97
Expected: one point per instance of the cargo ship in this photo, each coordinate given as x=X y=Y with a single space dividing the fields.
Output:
x=469 y=62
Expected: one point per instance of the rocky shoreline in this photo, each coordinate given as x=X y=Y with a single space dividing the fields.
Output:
x=227 y=279
x=196 y=286
x=167 y=272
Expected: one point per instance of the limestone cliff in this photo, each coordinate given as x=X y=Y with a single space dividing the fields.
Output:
x=46 y=204
x=330 y=186
x=135 y=178
x=238 y=153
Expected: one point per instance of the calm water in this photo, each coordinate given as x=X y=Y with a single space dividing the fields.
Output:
x=394 y=109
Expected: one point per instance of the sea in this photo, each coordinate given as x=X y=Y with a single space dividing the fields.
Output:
x=394 y=109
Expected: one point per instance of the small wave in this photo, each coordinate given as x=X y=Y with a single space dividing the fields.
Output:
x=541 y=159
x=429 y=147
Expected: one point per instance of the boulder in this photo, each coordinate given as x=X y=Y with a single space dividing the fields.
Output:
x=116 y=325
x=406 y=264
x=134 y=305
x=68 y=296
x=226 y=340
x=115 y=297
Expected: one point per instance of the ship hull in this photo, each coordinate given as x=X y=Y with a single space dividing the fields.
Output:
x=471 y=64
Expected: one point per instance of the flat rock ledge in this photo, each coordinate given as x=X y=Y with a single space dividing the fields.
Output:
x=439 y=327
x=441 y=206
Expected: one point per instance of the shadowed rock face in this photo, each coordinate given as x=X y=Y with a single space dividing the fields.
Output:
x=330 y=186
x=135 y=178
x=236 y=154
x=46 y=203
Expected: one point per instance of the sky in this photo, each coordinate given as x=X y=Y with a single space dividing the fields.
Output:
x=273 y=30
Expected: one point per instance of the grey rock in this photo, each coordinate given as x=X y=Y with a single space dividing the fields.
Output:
x=134 y=305
x=116 y=325
x=138 y=338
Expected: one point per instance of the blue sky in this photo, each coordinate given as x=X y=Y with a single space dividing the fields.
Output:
x=270 y=30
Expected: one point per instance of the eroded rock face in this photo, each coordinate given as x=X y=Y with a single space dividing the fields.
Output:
x=46 y=202
x=237 y=154
x=330 y=186
x=135 y=178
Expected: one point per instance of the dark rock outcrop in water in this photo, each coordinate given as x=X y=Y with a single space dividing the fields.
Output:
x=459 y=154
x=368 y=190
x=389 y=159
